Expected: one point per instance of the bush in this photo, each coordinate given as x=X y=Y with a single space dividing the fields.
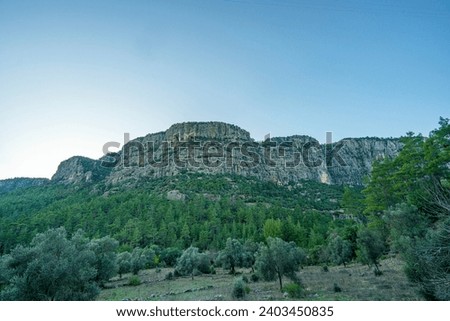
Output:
x=149 y=257
x=337 y=288
x=169 y=276
x=377 y=272
x=188 y=263
x=325 y=268
x=170 y=255
x=254 y=277
x=294 y=290
x=134 y=280
x=204 y=264
x=339 y=251
x=239 y=290
x=428 y=263
x=245 y=279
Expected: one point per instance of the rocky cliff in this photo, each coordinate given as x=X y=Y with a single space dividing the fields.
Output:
x=215 y=147
x=9 y=185
x=80 y=170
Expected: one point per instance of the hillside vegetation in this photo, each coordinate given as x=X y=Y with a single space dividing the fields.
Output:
x=193 y=226
x=211 y=209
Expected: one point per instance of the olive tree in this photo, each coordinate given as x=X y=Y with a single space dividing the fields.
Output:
x=232 y=255
x=105 y=258
x=371 y=246
x=339 y=251
x=137 y=260
x=124 y=263
x=53 y=267
x=190 y=262
x=279 y=258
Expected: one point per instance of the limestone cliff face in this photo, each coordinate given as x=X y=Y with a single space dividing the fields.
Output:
x=359 y=155
x=206 y=130
x=12 y=184
x=79 y=170
x=215 y=147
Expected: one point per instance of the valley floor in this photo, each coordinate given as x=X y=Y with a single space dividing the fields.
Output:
x=356 y=282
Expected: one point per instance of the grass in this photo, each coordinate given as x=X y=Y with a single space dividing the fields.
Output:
x=357 y=283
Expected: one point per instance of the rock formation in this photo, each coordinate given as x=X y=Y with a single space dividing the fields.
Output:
x=11 y=184
x=215 y=147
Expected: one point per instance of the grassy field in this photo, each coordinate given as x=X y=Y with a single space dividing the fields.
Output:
x=356 y=282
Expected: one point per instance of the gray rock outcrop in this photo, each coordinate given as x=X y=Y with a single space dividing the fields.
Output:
x=220 y=148
x=12 y=184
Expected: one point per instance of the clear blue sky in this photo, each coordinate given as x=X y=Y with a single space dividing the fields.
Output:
x=77 y=74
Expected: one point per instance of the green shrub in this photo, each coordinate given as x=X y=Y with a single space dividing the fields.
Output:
x=134 y=280
x=254 y=277
x=337 y=288
x=204 y=264
x=245 y=279
x=294 y=290
x=377 y=272
x=239 y=291
x=170 y=255
x=169 y=276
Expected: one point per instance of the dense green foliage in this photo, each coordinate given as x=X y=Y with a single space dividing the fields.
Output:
x=339 y=251
x=192 y=262
x=234 y=255
x=370 y=247
x=55 y=267
x=408 y=202
x=105 y=258
x=228 y=215
x=294 y=290
x=238 y=289
x=123 y=263
x=216 y=208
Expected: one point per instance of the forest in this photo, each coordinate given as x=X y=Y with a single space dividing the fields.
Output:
x=65 y=242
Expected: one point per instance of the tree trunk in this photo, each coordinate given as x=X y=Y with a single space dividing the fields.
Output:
x=280 y=277
x=376 y=267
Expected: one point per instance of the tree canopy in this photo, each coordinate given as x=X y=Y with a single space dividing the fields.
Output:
x=52 y=268
x=279 y=258
x=408 y=199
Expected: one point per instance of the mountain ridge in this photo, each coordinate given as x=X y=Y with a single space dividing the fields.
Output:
x=222 y=148
x=11 y=184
